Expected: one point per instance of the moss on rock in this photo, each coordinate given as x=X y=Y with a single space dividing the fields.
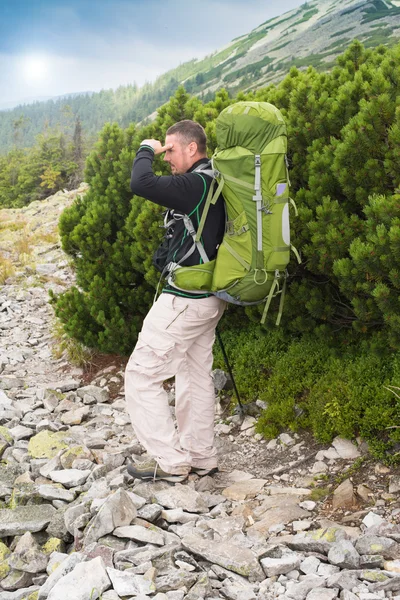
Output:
x=24 y=494
x=73 y=453
x=4 y=569
x=4 y=551
x=46 y=444
x=326 y=535
x=6 y=440
x=4 y=432
x=53 y=545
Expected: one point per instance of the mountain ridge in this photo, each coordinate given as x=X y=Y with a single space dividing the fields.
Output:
x=313 y=34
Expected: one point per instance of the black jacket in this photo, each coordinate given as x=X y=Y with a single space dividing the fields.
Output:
x=185 y=194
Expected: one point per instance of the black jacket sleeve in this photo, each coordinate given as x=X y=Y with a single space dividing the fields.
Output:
x=180 y=192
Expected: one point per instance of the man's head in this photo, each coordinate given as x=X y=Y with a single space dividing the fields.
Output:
x=189 y=144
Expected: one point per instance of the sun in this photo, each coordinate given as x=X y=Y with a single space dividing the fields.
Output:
x=35 y=68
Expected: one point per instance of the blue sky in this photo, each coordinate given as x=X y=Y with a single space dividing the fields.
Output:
x=50 y=47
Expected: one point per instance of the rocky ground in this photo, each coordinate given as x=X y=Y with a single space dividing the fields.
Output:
x=285 y=518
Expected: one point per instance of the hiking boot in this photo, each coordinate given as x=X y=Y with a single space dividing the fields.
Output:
x=202 y=472
x=150 y=469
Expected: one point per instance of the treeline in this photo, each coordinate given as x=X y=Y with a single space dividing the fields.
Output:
x=21 y=125
x=55 y=162
x=329 y=365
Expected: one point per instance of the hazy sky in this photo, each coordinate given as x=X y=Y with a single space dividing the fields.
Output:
x=55 y=47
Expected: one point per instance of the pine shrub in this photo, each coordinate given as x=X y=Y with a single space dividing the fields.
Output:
x=342 y=312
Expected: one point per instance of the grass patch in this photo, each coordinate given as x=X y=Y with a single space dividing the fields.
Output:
x=352 y=470
x=377 y=37
x=49 y=237
x=23 y=246
x=341 y=42
x=6 y=269
x=281 y=46
x=66 y=347
x=12 y=225
x=306 y=17
x=318 y=494
x=341 y=32
x=378 y=10
x=252 y=70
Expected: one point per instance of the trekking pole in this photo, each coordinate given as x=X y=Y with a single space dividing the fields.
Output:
x=241 y=407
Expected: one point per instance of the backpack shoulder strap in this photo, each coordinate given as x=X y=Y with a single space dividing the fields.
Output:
x=212 y=196
x=205 y=169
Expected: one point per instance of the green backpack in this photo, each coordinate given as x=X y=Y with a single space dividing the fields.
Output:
x=249 y=168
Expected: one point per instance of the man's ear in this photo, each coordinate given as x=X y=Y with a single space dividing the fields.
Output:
x=192 y=148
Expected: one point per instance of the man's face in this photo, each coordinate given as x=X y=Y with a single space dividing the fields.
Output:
x=180 y=156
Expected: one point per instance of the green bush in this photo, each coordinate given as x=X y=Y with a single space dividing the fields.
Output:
x=322 y=383
x=252 y=353
x=328 y=365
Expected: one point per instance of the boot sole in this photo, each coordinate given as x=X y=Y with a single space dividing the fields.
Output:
x=147 y=476
x=204 y=472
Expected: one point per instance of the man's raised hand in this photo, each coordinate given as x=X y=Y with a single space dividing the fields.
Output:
x=157 y=146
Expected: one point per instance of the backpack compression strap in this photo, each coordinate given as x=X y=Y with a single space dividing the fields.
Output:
x=197 y=244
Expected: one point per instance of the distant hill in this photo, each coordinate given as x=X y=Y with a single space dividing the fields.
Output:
x=313 y=34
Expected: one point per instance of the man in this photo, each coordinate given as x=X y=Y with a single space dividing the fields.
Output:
x=178 y=332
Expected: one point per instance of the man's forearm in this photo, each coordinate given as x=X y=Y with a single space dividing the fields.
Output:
x=180 y=192
x=142 y=177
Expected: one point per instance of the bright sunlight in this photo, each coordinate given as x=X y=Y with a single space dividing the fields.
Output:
x=35 y=68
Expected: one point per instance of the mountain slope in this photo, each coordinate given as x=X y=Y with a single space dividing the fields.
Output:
x=313 y=34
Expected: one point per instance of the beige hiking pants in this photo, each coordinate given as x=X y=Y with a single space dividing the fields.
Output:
x=176 y=340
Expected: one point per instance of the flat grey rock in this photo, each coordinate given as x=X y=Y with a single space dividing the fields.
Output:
x=25 y=518
x=98 y=393
x=181 y=496
x=140 y=534
x=371 y=544
x=70 y=477
x=28 y=556
x=66 y=566
x=344 y=555
x=87 y=581
x=236 y=559
x=127 y=584
x=117 y=511
x=19 y=594
x=51 y=492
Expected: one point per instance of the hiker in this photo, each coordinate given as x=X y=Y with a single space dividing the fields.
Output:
x=178 y=332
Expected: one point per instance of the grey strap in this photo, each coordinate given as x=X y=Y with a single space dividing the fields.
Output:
x=258 y=199
x=287 y=170
x=206 y=169
x=192 y=232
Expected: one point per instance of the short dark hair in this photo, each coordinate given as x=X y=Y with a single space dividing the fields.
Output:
x=190 y=131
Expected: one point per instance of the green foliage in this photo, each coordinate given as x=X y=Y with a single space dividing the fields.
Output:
x=252 y=354
x=341 y=32
x=54 y=163
x=306 y=16
x=328 y=365
x=345 y=394
x=377 y=9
